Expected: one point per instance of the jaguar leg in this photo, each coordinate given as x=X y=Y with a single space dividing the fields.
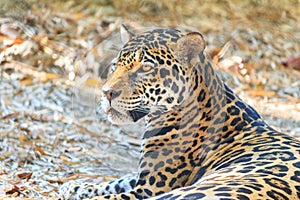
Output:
x=74 y=191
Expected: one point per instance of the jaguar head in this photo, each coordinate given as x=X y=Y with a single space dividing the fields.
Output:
x=150 y=75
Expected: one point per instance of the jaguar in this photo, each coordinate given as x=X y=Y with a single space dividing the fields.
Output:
x=201 y=141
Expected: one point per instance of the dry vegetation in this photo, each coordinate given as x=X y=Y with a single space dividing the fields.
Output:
x=52 y=53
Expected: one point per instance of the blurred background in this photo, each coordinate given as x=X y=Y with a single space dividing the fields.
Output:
x=54 y=57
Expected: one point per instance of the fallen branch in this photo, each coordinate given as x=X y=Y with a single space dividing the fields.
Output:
x=30 y=71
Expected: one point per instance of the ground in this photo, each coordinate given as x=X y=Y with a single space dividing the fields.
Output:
x=53 y=60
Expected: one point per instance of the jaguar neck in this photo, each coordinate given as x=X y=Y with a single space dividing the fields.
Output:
x=213 y=112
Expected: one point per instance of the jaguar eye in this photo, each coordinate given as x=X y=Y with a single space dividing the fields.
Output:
x=147 y=67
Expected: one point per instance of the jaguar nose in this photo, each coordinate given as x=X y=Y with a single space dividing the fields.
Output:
x=111 y=94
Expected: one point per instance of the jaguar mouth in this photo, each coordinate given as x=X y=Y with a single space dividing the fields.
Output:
x=138 y=114
x=126 y=116
x=116 y=117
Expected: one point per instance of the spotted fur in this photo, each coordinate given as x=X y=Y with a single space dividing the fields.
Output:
x=201 y=140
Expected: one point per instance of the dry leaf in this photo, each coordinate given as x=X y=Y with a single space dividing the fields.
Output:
x=73 y=149
x=262 y=93
x=15 y=190
x=40 y=150
x=25 y=175
x=292 y=62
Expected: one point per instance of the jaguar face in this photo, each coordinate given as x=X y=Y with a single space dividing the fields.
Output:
x=145 y=79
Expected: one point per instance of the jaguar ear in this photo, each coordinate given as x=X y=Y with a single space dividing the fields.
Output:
x=126 y=35
x=189 y=47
